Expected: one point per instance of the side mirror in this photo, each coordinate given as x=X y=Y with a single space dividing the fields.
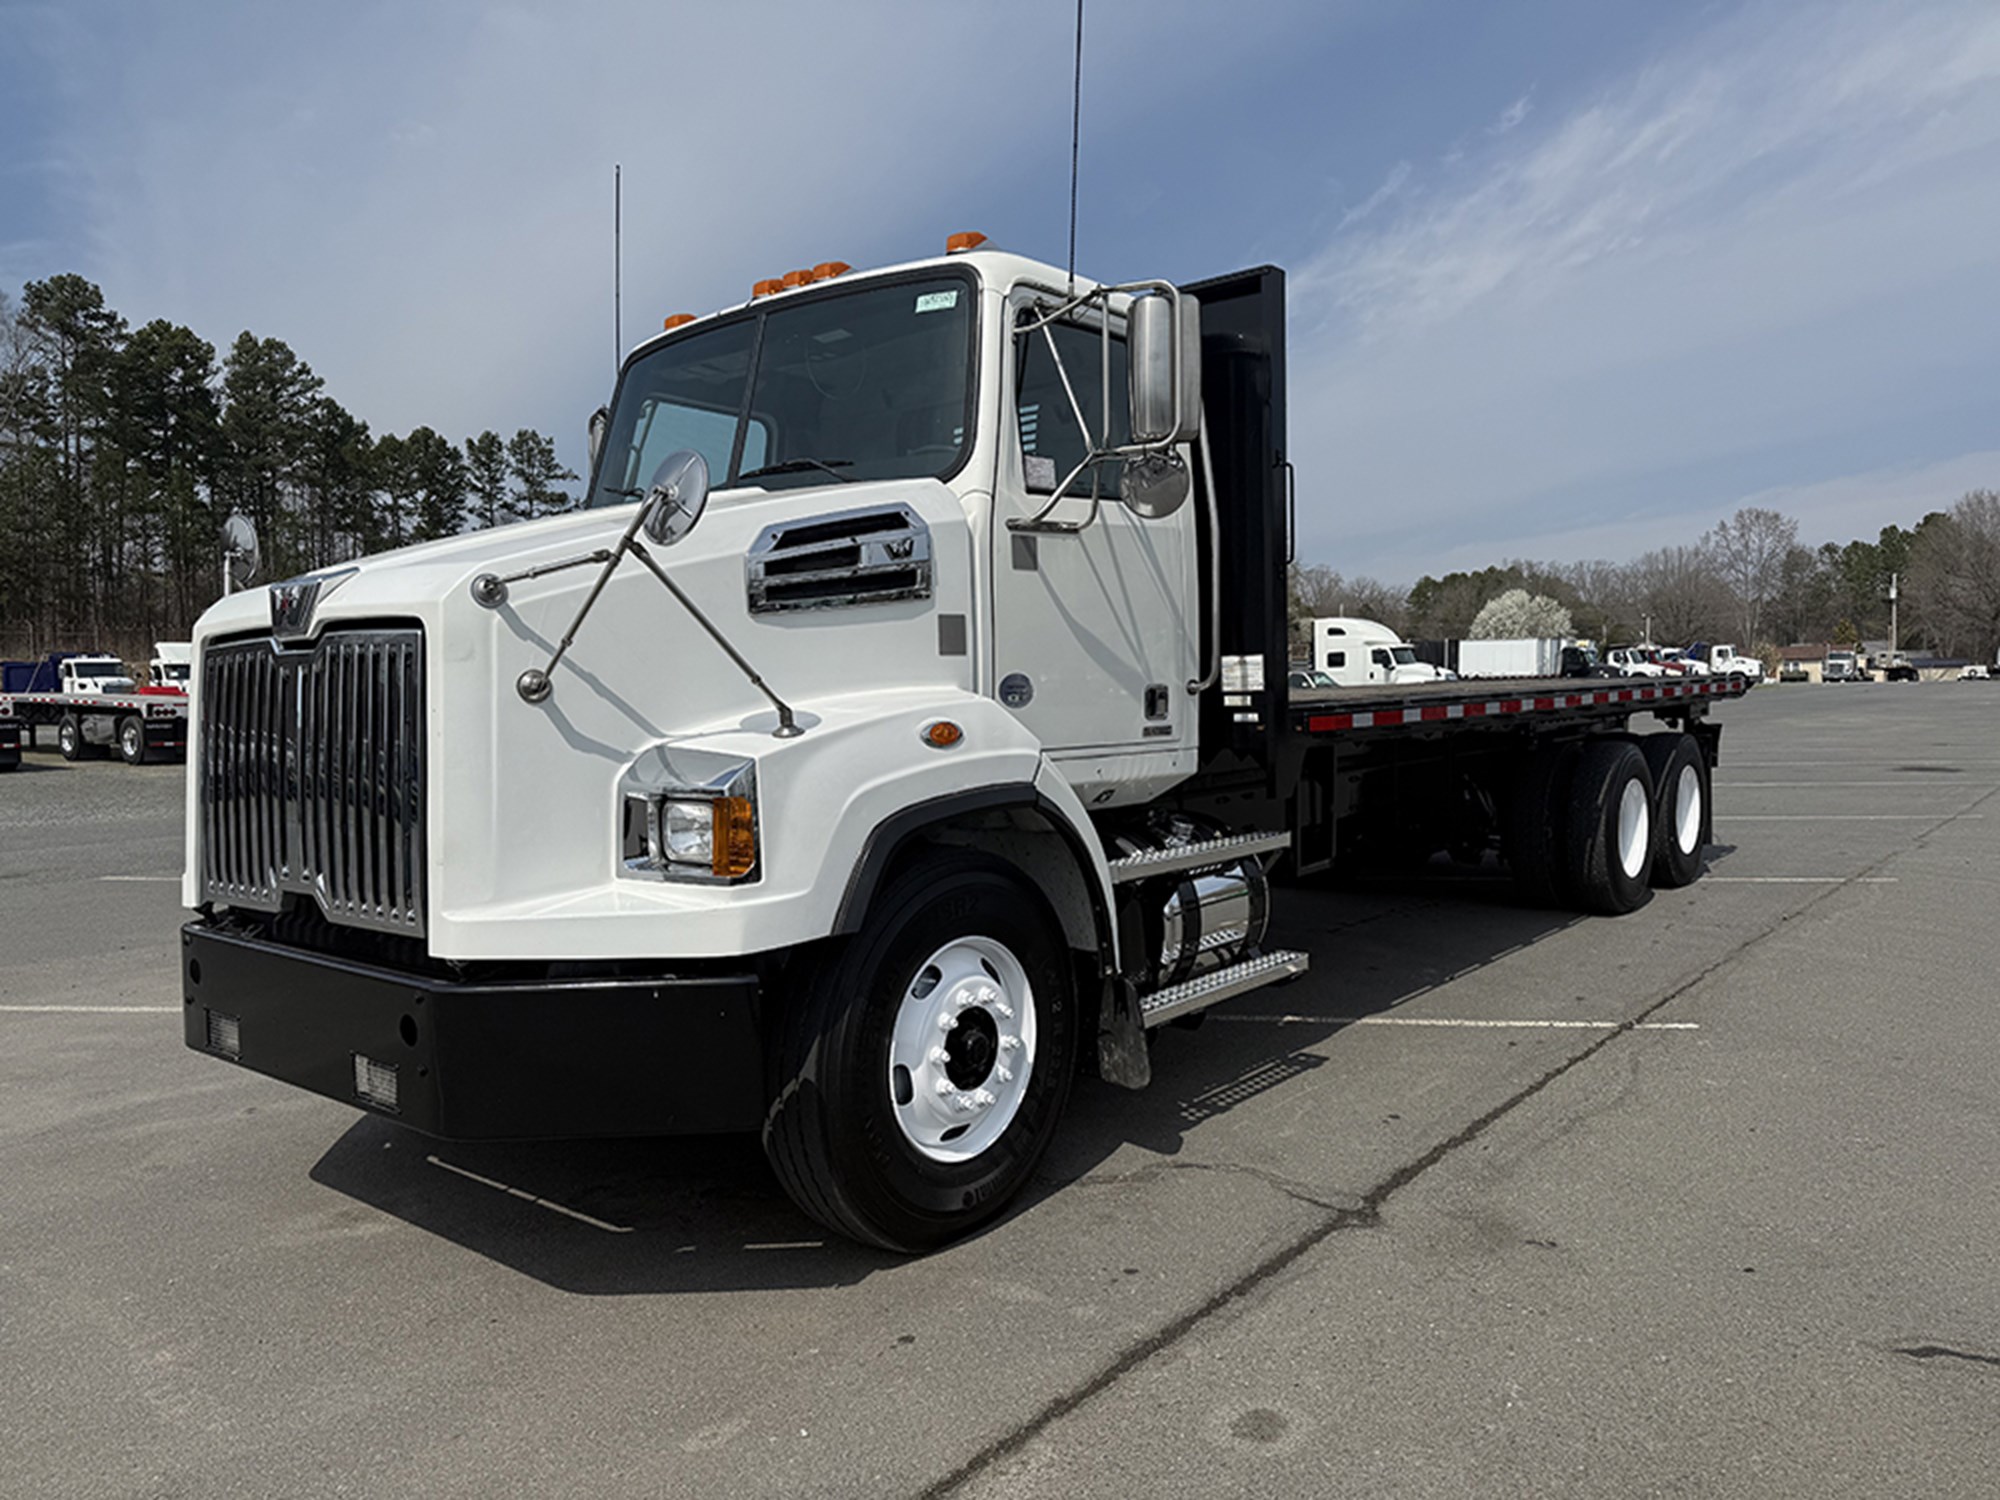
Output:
x=675 y=498
x=600 y=423
x=241 y=555
x=1163 y=348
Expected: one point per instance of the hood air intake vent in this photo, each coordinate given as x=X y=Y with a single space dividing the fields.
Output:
x=833 y=562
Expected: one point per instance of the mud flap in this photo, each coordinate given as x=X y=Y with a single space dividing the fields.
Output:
x=1122 y=1055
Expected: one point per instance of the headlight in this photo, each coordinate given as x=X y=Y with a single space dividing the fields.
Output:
x=688 y=815
x=689 y=829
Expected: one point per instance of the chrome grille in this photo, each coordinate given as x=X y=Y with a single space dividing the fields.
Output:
x=312 y=776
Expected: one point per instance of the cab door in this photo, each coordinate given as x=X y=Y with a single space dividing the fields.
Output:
x=1095 y=628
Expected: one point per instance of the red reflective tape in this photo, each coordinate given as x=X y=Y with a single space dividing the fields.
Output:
x=1478 y=710
x=1545 y=703
x=1510 y=705
x=1389 y=717
x=1439 y=712
x=1324 y=722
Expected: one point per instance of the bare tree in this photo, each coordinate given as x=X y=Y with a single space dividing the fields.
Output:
x=1953 y=585
x=1750 y=550
x=1680 y=591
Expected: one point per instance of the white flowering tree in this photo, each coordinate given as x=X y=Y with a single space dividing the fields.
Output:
x=1518 y=613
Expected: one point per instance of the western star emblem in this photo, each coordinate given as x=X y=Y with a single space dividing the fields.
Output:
x=294 y=600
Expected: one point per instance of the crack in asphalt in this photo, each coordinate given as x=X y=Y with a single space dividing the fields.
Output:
x=1939 y=1351
x=1366 y=1214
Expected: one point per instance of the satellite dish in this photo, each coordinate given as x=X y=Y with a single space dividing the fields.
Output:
x=241 y=556
x=675 y=498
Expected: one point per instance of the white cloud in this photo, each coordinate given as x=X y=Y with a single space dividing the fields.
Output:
x=1770 y=250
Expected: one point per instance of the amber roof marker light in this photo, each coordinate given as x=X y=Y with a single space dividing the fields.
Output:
x=965 y=239
x=677 y=320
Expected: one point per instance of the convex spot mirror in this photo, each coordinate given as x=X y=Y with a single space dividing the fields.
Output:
x=1154 y=485
x=600 y=423
x=1163 y=342
x=676 y=496
x=240 y=549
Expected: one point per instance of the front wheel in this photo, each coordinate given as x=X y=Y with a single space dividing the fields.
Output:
x=920 y=1072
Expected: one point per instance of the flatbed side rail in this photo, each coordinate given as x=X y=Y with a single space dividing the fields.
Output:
x=1487 y=701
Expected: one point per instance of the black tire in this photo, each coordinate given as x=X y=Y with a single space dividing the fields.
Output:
x=69 y=738
x=1680 y=806
x=850 y=1131
x=132 y=740
x=1532 y=836
x=1608 y=829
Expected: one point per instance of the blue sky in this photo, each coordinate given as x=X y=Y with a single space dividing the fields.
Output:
x=1569 y=278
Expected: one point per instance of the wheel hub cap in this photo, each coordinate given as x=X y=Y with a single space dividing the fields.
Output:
x=962 y=1049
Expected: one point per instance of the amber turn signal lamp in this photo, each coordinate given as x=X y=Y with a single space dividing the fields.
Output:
x=735 y=842
x=942 y=734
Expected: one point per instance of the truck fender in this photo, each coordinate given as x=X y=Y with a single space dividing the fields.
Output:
x=1044 y=832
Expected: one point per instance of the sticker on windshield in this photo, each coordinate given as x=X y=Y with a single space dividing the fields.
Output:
x=936 y=301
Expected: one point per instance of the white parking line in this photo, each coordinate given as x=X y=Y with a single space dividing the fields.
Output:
x=1801 y=879
x=1471 y=1023
x=527 y=1197
x=99 y=1010
x=1929 y=817
x=1811 y=786
x=174 y=878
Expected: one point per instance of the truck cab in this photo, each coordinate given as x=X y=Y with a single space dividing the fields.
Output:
x=1355 y=652
x=94 y=676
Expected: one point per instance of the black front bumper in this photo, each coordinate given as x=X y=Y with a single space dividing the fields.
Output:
x=511 y=1060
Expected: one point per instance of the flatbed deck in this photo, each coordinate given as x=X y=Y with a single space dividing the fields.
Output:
x=1501 y=701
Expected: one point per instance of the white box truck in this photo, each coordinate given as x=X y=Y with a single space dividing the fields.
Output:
x=1524 y=656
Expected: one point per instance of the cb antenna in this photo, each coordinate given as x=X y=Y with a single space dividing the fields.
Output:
x=617 y=266
x=1075 y=139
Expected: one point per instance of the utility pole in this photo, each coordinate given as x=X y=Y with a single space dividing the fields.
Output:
x=1893 y=637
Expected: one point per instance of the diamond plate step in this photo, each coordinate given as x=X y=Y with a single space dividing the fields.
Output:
x=1194 y=856
x=1220 y=984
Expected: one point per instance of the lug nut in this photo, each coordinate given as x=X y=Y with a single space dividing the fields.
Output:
x=935 y=1055
x=982 y=1098
x=964 y=1101
x=1004 y=1075
x=1009 y=1043
x=1006 y=1011
x=944 y=1086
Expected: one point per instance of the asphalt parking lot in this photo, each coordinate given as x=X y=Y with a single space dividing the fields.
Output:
x=1698 y=1201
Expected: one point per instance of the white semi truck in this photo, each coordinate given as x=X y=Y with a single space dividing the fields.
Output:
x=1356 y=652
x=901 y=727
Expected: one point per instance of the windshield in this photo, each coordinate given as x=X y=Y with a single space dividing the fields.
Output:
x=98 y=666
x=1405 y=655
x=874 y=383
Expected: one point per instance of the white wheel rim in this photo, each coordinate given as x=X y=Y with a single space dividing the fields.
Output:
x=1635 y=828
x=1687 y=809
x=963 y=1049
x=131 y=739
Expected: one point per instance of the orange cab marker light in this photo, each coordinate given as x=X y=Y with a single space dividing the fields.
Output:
x=827 y=269
x=767 y=286
x=965 y=239
x=942 y=734
x=734 y=838
x=677 y=320
x=796 y=278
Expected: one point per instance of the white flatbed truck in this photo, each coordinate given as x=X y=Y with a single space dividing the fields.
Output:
x=95 y=712
x=949 y=754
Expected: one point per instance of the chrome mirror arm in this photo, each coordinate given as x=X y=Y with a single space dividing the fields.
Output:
x=788 y=727
x=534 y=685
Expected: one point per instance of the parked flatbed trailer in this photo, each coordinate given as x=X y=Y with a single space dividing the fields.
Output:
x=140 y=727
x=1502 y=703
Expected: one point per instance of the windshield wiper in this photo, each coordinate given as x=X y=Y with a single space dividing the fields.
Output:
x=832 y=466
